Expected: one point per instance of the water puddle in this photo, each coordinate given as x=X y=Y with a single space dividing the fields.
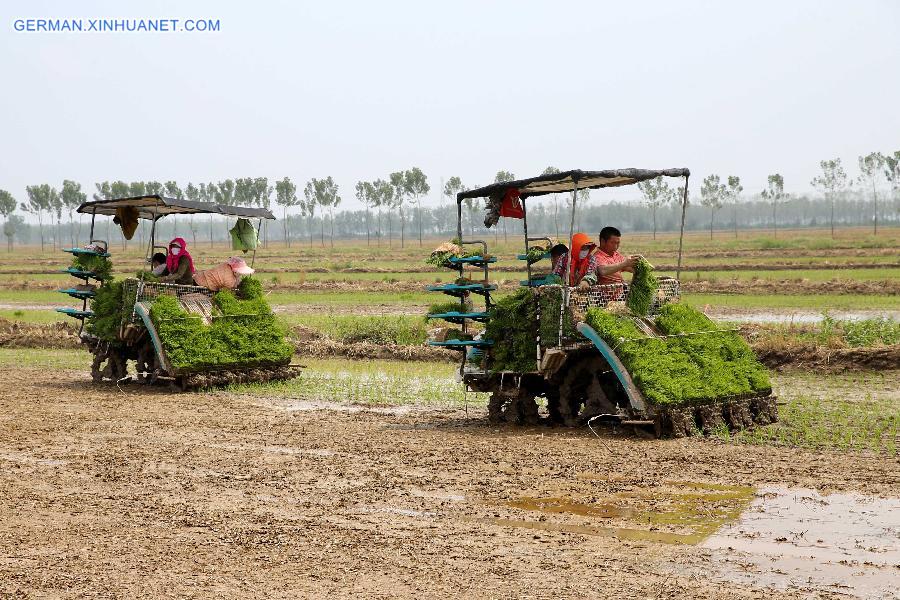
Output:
x=672 y=513
x=800 y=540
x=800 y=318
x=770 y=538
x=562 y=506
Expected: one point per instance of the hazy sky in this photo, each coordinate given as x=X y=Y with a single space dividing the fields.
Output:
x=359 y=89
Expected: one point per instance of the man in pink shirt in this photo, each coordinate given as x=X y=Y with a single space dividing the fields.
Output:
x=606 y=263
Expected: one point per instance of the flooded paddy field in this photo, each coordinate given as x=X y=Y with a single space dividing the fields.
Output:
x=280 y=491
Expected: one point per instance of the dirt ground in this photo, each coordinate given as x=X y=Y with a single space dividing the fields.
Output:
x=123 y=493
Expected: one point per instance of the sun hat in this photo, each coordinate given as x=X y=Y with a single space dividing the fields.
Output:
x=239 y=266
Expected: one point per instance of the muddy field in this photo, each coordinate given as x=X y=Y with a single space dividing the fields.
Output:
x=109 y=492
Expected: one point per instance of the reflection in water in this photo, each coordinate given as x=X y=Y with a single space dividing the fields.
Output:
x=799 y=539
x=674 y=513
x=779 y=538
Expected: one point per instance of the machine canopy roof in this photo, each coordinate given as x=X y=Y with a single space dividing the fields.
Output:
x=154 y=207
x=567 y=181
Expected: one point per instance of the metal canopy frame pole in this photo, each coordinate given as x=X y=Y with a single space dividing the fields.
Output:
x=534 y=293
x=153 y=233
x=684 y=202
x=566 y=291
x=459 y=219
x=459 y=239
x=149 y=257
x=525 y=227
x=93 y=219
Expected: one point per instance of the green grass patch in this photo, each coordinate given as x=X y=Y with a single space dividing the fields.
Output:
x=33 y=316
x=866 y=332
x=363 y=299
x=370 y=382
x=79 y=360
x=830 y=333
x=404 y=330
x=39 y=296
x=859 y=412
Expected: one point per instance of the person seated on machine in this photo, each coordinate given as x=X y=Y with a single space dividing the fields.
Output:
x=179 y=264
x=606 y=266
x=158 y=264
x=583 y=252
x=224 y=276
x=558 y=256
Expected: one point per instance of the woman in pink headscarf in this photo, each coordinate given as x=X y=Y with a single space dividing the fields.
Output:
x=179 y=264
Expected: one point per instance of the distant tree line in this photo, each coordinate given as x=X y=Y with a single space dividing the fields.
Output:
x=389 y=204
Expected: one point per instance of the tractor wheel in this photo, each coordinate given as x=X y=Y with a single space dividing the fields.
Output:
x=147 y=363
x=552 y=395
x=516 y=406
x=582 y=394
x=109 y=363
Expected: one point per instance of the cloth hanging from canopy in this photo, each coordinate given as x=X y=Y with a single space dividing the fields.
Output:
x=243 y=236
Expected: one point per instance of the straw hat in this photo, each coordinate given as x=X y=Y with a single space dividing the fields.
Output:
x=239 y=266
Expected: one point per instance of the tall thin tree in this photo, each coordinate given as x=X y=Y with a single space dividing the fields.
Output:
x=262 y=197
x=870 y=171
x=551 y=170
x=365 y=193
x=734 y=194
x=712 y=191
x=399 y=198
x=327 y=191
x=308 y=207
x=452 y=187
x=832 y=182
x=892 y=174
x=192 y=193
x=71 y=197
x=41 y=199
x=656 y=192
x=384 y=195
x=7 y=208
x=415 y=184
x=286 y=197
x=774 y=193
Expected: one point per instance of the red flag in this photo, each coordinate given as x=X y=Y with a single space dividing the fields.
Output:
x=512 y=206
